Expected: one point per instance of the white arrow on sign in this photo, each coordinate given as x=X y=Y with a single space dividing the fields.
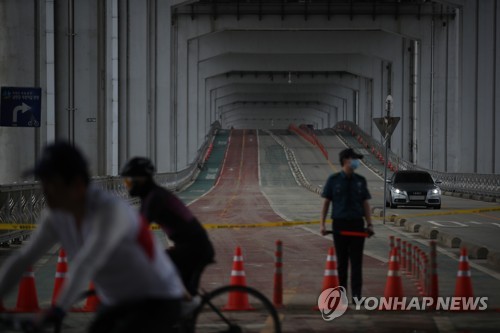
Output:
x=23 y=108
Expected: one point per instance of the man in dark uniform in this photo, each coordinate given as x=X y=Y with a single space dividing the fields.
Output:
x=348 y=194
x=192 y=250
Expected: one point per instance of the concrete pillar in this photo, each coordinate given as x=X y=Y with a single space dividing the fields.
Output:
x=19 y=67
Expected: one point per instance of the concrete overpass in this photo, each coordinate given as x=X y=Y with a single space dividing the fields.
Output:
x=125 y=78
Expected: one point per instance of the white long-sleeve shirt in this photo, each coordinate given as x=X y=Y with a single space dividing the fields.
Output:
x=112 y=247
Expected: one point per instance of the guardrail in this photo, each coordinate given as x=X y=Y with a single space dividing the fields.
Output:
x=22 y=203
x=309 y=135
x=481 y=185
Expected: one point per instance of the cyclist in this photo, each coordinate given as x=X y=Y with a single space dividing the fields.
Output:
x=107 y=242
x=193 y=250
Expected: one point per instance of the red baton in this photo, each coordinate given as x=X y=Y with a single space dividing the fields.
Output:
x=350 y=233
x=354 y=233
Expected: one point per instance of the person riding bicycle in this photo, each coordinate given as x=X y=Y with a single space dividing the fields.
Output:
x=192 y=250
x=106 y=242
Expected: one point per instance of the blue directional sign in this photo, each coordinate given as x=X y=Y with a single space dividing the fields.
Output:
x=20 y=107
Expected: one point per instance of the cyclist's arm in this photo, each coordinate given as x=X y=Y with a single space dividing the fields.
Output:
x=108 y=230
x=41 y=241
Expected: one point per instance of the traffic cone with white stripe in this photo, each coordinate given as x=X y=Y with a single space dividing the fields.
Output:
x=331 y=275
x=238 y=301
x=394 y=285
x=27 y=299
x=463 y=286
x=61 y=270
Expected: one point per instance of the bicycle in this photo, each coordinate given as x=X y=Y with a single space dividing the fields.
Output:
x=209 y=316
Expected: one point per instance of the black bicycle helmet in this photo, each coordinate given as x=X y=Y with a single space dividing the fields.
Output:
x=138 y=167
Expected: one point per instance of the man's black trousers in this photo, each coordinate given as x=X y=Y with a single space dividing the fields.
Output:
x=349 y=250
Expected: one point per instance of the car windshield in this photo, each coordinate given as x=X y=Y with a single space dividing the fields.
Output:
x=413 y=178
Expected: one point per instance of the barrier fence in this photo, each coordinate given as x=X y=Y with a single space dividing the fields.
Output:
x=22 y=203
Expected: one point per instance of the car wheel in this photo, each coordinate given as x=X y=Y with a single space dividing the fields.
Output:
x=437 y=207
x=387 y=204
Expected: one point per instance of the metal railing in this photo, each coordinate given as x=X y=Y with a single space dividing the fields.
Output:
x=21 y=204
x=482 y=185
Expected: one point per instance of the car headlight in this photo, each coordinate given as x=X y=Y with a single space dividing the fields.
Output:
x=436 y=191
x=398 y=191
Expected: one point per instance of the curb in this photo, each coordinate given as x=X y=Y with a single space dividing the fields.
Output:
x=476 y=251
x=428 y=231
x=412 y=226
x=449 y=240
x=494 y=259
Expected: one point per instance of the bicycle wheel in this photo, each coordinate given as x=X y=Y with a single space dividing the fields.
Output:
x=236 y=309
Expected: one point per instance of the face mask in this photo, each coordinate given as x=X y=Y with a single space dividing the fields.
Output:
x=354 y=164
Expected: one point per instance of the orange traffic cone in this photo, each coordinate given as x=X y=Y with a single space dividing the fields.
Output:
x=393 y=292
x=331 y=275
x=27 y=299
x=238 y=301
x=61 y=270
x=92 y=302
x=463 y=286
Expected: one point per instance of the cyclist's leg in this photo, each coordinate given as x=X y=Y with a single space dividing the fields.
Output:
x=190 y=265
x=182 y=263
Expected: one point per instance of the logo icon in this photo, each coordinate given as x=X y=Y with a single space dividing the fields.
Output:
x=333 y=303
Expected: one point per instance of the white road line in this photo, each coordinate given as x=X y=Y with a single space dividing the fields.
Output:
x=457 y=224
x=497 y=224
x=436 y=223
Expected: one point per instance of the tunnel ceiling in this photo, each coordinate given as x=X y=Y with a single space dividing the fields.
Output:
x=282 y=64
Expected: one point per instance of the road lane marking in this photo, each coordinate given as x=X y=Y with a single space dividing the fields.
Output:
x=459 y=224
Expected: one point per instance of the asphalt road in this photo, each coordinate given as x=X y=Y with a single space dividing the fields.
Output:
x=256 y=187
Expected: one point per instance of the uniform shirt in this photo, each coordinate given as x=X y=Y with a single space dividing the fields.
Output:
x=113 y=247
x=347 y=195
